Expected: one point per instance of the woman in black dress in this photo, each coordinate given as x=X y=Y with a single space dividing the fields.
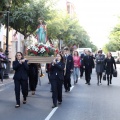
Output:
x=109 y=62
x=33 y=77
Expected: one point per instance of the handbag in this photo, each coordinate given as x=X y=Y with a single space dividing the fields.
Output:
x=114 y=73
x=104 y=77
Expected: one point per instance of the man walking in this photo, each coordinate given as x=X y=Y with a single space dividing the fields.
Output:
x=68 y=69
x=88 y=64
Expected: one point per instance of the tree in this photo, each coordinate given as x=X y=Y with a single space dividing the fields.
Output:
x=69 y=30
x=24 y=19
x=4 y=3
x=114 y=43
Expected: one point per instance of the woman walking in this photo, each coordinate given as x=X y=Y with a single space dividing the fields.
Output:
x=76 y=60
x=99 y=65
x=33 y=77
x=20 y=78
x=56 y=78
x=109 y=62
x=3 y=61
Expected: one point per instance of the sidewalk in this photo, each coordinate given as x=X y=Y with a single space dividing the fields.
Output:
x=10 y=80
x=7 y=81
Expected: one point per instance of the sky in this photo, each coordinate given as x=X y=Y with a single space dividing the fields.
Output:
x=98 y=17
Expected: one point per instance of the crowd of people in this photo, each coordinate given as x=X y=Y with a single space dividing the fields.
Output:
x=59 y=72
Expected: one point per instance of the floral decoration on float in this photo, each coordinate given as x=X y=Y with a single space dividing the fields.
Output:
x=40 y=53
x=40 y=49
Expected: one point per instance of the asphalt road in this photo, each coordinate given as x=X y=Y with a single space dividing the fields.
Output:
x=83 y=102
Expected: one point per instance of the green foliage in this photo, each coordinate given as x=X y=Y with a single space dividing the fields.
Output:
x=114 y=43
x=69 y=30
x=24 y=19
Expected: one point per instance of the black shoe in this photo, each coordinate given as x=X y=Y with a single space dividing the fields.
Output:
x=24 y=102
x=17 y=106
x=98 y=84
x=54 y=106
x=59 y=103
x=108 y=83
x=88 y=83
x=69 y=89
x=76 y=81
x=65 y=90
x=81 y=76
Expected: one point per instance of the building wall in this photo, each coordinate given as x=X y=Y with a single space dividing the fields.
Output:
x=15 y=43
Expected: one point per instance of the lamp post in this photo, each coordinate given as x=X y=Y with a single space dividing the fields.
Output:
x=8 y=5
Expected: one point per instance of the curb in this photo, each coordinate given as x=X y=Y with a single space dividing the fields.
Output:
x=7 y=82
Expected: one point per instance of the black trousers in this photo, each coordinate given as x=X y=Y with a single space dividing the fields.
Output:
x=56 y=90
x=87 y=75
x=81 y=71
x=32 y=84
x=2 y=73
x=109 y=78
x=99 y=77
x=67 y=81
x=21 y=85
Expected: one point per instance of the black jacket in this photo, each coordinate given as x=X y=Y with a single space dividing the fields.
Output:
x=109 y=65
x=69 y=63
x=57 y=71
x=88 y=62
x=21 y=70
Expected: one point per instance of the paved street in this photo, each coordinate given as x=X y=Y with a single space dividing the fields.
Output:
x=82 y=103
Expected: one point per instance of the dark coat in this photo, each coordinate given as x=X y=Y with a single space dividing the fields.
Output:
x=100 y=63
x=82 y=56
x=88 y=62
x=48 y=65
x=21 y=70
x=109 y=65
x=56 y=71
x=69 y=63
x=33 y=72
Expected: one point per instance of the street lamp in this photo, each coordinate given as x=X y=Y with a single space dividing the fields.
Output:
x=8 y=5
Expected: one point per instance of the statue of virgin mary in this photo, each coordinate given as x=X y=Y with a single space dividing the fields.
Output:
x=41 y=32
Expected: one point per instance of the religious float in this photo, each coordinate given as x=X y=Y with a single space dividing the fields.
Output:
x=40 y=53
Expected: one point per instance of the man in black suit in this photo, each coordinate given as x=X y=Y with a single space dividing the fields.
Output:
x=68 y=69
x=81 y=67
x=88 y=64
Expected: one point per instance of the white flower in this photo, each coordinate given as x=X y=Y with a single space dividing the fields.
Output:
x=42 y=50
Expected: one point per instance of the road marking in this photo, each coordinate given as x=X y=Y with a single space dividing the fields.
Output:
x=71 y=88
x=51 y=113
x=54 y=110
